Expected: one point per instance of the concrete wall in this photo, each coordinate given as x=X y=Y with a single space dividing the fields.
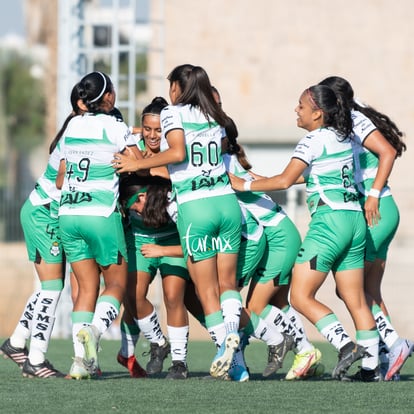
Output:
x=261 y=55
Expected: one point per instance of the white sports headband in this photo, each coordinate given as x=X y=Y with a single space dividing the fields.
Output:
x=103 y=89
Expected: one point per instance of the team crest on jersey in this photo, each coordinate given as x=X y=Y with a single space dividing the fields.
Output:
x=55 y=249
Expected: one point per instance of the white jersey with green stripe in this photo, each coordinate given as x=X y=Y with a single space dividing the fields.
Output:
x=329 y=176
x=141 y=144
x=88 y=146
x=45 y=190
x=251 y=228
x=366 y=162
x=261 y=206
x=202 y=174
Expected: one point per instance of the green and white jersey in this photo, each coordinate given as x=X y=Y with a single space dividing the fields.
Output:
x=202 y=174
x=45 y=190
x=263 y=208
x=88 y=146
x=251 y=229
x=141 y=144
x=366 y=162
x=329 y=176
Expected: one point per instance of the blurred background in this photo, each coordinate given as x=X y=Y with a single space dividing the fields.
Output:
x=259 y=55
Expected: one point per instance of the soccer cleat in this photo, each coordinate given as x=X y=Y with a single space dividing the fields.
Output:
x=88 y=336
x=363 y=375
x=383 y=360
x=384 y=364
x=239 y=373
x=303 y=363
x=157 y=355
x=42 y=370
x=17 y=355
x=277 y=353
x=224 y=356
x=396 y=376
x=177 y=371
x=383 y=367
x=347 y=356
x=315 y=371
x=397 y=356
x=131 y=363
x=383 y=371
x=78 y=370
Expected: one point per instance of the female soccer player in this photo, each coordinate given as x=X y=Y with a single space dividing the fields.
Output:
x=335 y=240
x=147 y=205
x=377 y=142
x=209 y=219
x=89 y=218
x=41 y=230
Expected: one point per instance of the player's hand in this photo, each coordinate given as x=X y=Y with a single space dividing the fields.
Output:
x=151 y=250
x=372 y=214
x=125 y=162
x=236 y=182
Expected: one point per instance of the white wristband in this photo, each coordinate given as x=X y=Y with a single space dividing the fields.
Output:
x=374 y=193
x=131 y=129
x=247 y=186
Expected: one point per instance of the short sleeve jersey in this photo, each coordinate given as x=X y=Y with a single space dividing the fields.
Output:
x=202 y=174
x=329 y=176
x=91 y=185
x=45 y=190
x=259 y=204
x=251 y=228
x=366 y=162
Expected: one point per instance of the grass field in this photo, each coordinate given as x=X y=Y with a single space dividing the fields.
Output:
x=116 y=392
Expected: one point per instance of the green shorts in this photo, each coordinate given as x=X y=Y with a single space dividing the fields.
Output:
x=282 y=246
x=380 y=236
x=93 y=237
x=168 y=266
x=209 y=226
x=250 y=254
x=41 y=233
x=335 y=240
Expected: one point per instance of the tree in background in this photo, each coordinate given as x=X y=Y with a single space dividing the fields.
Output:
x=22 y=120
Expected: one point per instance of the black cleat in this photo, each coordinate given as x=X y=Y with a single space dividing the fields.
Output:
x=347 y=356
x=177 y=371
x=363 y=375
x=43 y=370
x=157 y=355
x=17 y=355
x=277 y=353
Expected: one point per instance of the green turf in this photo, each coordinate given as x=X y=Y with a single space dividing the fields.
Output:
x=116 y=392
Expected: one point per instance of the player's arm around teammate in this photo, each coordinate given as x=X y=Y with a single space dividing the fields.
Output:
x=324 y=152
x=193 y=128
x=377 y=142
